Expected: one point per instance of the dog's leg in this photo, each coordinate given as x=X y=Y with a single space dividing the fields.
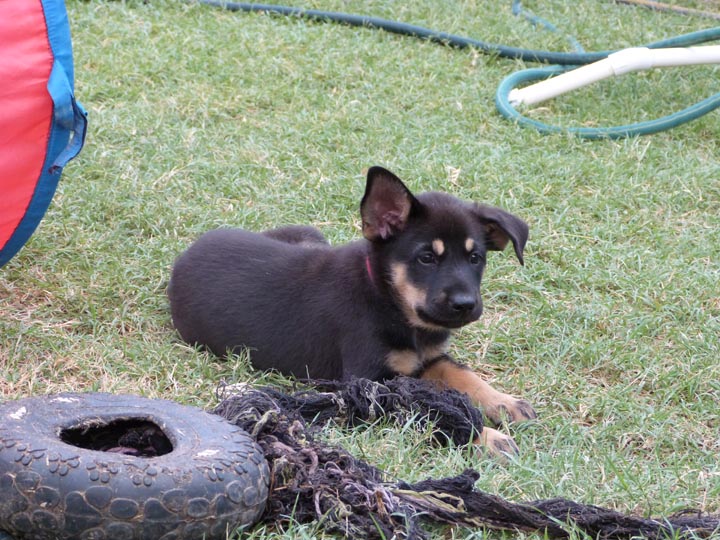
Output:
x=497 y=443
x=496 y=405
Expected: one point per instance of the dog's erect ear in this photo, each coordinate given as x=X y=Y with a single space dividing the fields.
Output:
x=501 y=227
x=386 y=205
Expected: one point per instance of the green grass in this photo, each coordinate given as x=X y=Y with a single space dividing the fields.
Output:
x=201 y=118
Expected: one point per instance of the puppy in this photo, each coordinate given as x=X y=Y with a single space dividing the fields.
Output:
x=375 y=308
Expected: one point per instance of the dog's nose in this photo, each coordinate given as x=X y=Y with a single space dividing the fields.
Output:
x=462 y=303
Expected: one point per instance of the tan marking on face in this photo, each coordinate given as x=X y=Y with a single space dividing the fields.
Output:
x=438 y=247
x=404 y=362
x=410 y=297
x=469 y=245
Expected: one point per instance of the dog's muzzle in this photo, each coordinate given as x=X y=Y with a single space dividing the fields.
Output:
x=454 y=311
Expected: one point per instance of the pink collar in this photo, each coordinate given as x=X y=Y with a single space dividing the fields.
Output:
x=368 y=267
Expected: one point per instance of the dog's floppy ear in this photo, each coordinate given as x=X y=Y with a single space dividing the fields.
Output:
x=386 y=205
x=501 y=227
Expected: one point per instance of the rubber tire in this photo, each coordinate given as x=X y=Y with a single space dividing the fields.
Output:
x=214 y=480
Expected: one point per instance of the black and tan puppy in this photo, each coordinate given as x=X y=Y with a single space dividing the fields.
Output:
x=375 y=308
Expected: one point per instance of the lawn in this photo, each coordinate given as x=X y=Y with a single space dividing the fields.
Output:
x=201 y=118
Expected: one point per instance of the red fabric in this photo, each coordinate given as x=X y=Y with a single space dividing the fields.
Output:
x=25 y=107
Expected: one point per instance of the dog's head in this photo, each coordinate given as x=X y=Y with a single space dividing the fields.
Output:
x=431 y=248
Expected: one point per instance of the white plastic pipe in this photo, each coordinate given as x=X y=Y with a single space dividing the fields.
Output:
x=618 y=63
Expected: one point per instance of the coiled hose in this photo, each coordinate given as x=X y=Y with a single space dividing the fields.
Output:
x=564 y=61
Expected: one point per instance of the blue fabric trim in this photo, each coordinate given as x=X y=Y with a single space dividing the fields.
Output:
x=44 y=191
x=77 y=138
x=68 y=114
x=58 y=30
x=60 y=90
x=67 y=131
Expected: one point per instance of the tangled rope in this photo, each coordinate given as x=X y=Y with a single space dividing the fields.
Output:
x=313 y=482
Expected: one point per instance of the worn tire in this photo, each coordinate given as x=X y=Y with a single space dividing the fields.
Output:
x=212 y=478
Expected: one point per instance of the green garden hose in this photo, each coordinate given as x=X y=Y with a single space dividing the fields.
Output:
x=565 y=61
x=506 y=108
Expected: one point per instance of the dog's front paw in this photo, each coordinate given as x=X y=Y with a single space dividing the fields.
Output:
x=497 y=444
x=506 y=408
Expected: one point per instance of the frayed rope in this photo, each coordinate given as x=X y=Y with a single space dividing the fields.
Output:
x=312 y=482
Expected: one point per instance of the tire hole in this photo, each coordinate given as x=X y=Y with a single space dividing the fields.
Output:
x=133 y=437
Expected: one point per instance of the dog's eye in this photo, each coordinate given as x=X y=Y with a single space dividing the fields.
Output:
x=427 y=257
x=475 y=258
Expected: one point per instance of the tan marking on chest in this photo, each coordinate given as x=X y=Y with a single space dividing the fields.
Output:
x=430 y=352
x=438 y=247
x=404 y=362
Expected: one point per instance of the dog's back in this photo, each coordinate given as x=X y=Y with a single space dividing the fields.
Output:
x=285 y=295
